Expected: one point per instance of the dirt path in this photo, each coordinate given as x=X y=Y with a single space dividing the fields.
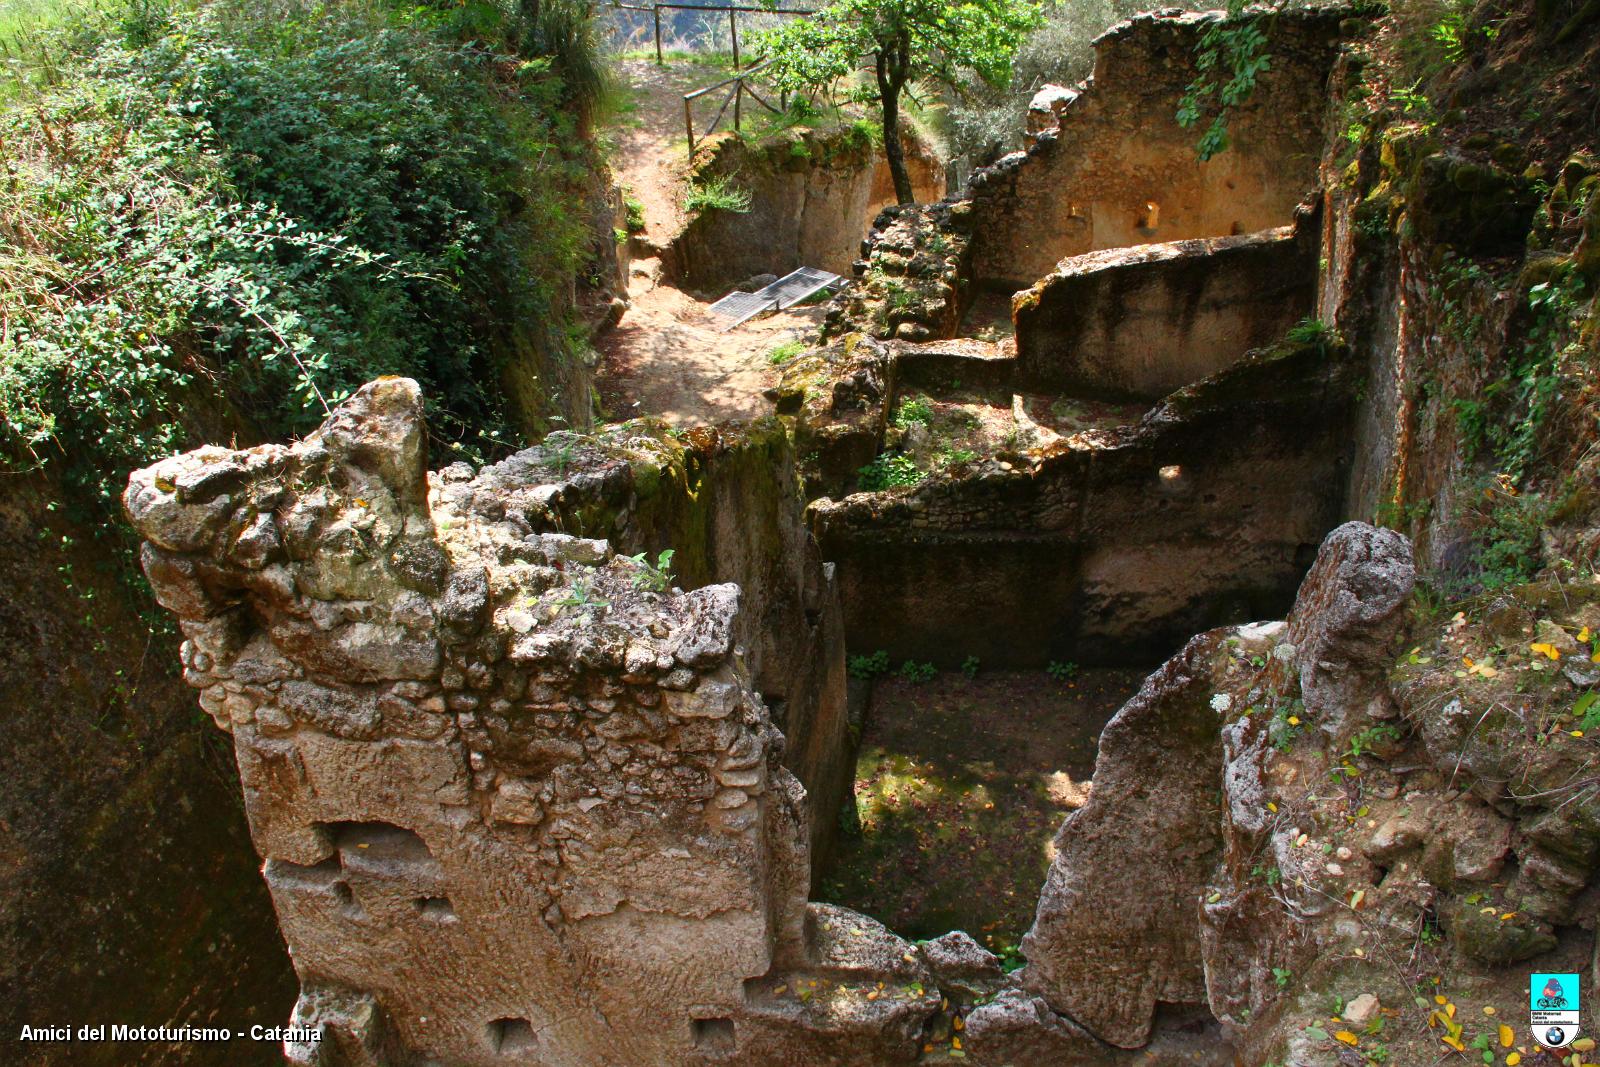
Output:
x=668 y=357
x=652 y=159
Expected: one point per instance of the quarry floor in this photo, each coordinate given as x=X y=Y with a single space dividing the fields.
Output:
x=961 y=783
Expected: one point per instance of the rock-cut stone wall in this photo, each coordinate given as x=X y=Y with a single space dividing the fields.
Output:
x=1140 y=322
x=1119 y=170
x=1115 y=545
x=518 y=798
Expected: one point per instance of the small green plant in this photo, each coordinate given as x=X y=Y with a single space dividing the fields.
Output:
x=889 y=472
x=715 y=193
x=957 y=457
x=635 y=215
x=1286 y=725
x=655 y=577
x=1011 y=957
x=917 y=673
x=866 y=668
x=582 y=596
x=1062 y=671
x=1586 y=712
x=1372 y=737
x=1282 y=975
x=784 y=351
x=969 y=667
x=1312 y=332
x=914 y=412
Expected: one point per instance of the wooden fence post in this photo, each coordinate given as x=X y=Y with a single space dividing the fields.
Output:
x=733 y=31
x=659 y=60
x=688 y=125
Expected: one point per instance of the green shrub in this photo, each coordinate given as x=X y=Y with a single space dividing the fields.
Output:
x=271 y=208
x=1508 y=538
x=784 y=351
x=889 y=472
x=917 y=673
x=914 y=412
x=866 y=668
x=716 y=194
x=969 y=667
x=1062 y=671
x=636 y=223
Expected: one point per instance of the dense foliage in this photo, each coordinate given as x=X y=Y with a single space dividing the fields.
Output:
x=987 y=120
x=902 y=42
x=251 y=210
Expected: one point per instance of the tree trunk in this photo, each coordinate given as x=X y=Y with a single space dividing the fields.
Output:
x=891 y=79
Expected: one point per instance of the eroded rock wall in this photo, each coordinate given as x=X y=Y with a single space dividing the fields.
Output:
x=1089 y=184
x=1140 y=322
x=1094 y=185
x=812 y=194
x=518 y=798
x=1117 y=546
x=726 y=502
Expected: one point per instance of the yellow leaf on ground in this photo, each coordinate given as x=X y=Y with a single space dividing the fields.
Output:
x=1347 y=1037
x=1506 y=1036
x=1513 y=1059
x=1454 y=1042
x=1583 y=1044
x=1488 y=1009
x=1544 y=648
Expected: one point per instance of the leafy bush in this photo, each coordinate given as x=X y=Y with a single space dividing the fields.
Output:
x=969 y=667
x=986 y=121
x=1230 y=56
x=636 y=223
x=866 y=668
x=1509 y=525
x=1062 y=671
x=716 y=193
x=914 y=412
x=271 y=208
x=784 y=351
x=889 y=472
x=917 y=673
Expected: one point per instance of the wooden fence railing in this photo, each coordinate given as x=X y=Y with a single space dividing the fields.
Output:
x=733 y=10
x=741 y=86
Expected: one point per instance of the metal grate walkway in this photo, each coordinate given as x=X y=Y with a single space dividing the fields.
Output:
x=786 y=292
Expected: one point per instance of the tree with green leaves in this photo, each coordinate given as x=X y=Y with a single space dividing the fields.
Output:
x=903 y=42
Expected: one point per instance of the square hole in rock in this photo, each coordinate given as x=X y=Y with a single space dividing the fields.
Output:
x=349 y=906
x=511 y=1036
x=713 y=1035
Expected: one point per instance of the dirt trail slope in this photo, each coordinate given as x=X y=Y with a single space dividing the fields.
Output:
x=668 y=356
